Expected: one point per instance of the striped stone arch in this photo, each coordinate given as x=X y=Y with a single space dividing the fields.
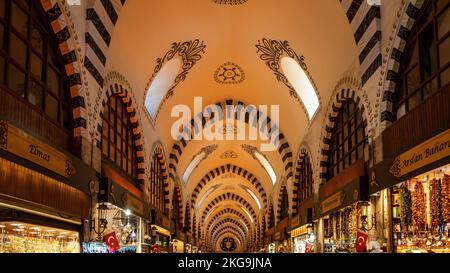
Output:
x=220 y=236
x=187 y=218
x=228 y=228
x=125 y=93
x=225 y=221
x=229 y=197
x=101 y=17
x=341 y=95
x=365 y=22
x=262 y=232
x=228 y=211
x=401 y=32
x=178 y=194
x=268 y=214
x=220 y=222
x=304 y=150
x=228 y=168
x=199 y=121
x=57 y=13
x=283 y=186
x=226 y=232
x=158 y=152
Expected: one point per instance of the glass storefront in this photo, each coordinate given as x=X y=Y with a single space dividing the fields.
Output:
x=122 y=225
x=340 y=230
x=303 y=239
x=421 y=213
x=19 y=237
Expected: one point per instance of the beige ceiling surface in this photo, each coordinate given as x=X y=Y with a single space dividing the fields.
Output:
x=318 y=30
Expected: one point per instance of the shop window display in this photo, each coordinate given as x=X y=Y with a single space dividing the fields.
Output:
x=17 y=237
x=121 y=227
x=420 y=210
x=340 y=230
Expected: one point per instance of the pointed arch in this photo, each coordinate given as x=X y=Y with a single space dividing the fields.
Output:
x=408 y=15
x=341 y=95
x=229 y=168
x=119 y=88
x=302 y=180
x=57 y=13
x=158 y=168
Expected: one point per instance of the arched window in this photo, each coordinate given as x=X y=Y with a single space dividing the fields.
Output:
x=118 y=144
x=348 y=139
x=305 y=179
x=284 y=208
x=157 y=178
x=425 y=65
x=31 y=65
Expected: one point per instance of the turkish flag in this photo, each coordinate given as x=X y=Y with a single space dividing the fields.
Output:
x=309 y=248
x=361 y=241
x=111 y=242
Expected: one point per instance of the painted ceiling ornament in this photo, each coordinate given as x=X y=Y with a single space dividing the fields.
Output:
x=229 y=73
x=228 y=176
x=271 y=52
x=230 y=2
x=229 y=155
x=209 y=149
x=249 y=149
x=190 y=53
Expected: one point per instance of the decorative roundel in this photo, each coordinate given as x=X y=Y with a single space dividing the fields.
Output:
x=229 y=155
x=229 y=73
x=228 y=244
x=230 y=2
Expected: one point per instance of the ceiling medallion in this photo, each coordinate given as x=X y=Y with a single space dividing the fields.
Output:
x=229 y=129
x=229 y=73
x=229 y=155
x=230 y=2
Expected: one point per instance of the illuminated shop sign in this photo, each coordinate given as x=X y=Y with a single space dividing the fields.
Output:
x=24 y=145
x=426 y=153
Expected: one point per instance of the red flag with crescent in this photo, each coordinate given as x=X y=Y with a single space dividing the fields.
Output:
x=111 y=242
x=361 y=241
x=309 y=248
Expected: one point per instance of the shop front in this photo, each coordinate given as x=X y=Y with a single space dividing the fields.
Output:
x=417 y=182
x=412 y=174
x=160 y=233
x=303 y=237
x=118 y=221
x=281 y=237
x=178 y=242
x=44 y=195
x=341 y=211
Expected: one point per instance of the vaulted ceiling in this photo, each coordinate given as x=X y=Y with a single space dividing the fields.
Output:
x=230 y=68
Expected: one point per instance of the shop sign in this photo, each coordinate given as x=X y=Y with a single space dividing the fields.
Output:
x=426 y=153
x=332 y=202
x=133 y=204
x=299 y=231
x=26 y=146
